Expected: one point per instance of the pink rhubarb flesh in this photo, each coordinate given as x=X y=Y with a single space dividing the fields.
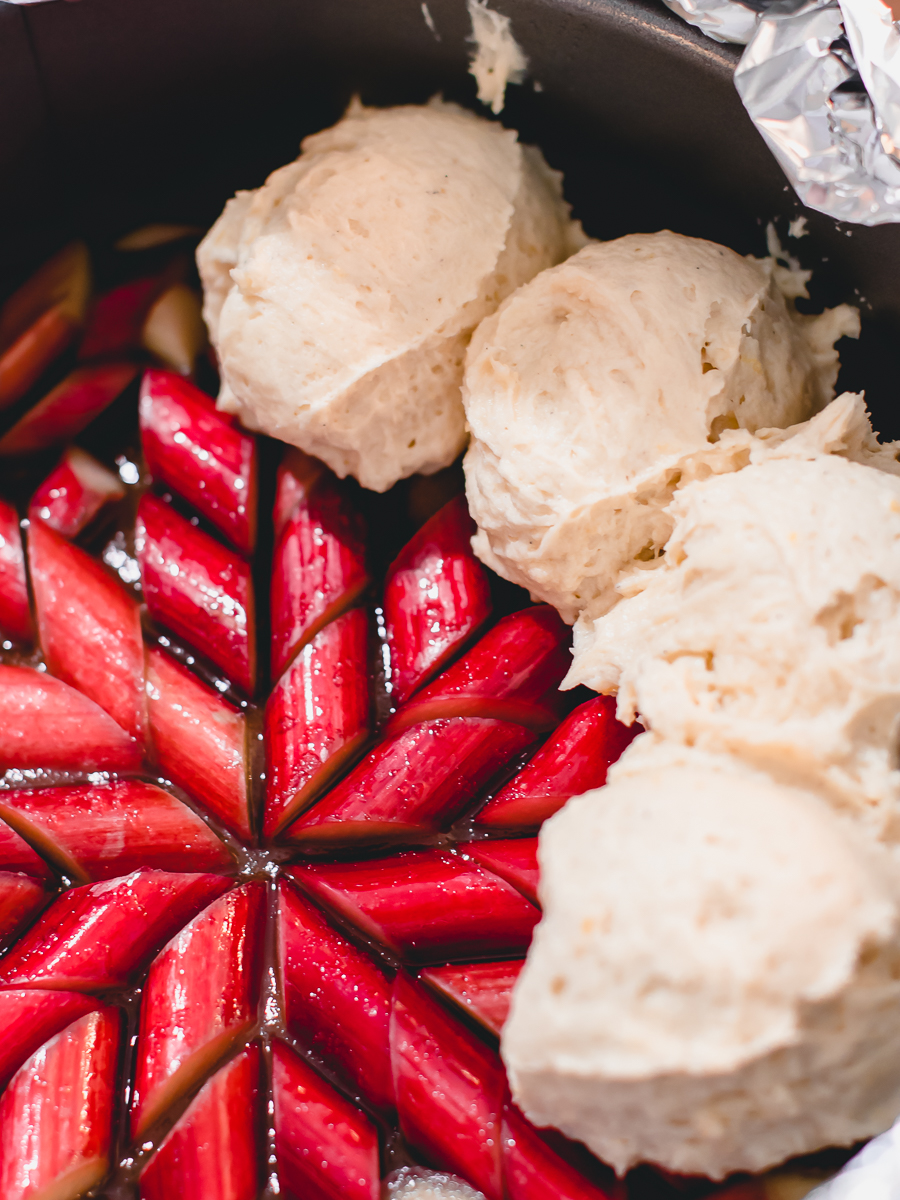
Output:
x=15 y=617
x=21 y=898
x=15 y=853
x=74 y=492
x=29 y=1018
x=68 y=408
x=513 y=859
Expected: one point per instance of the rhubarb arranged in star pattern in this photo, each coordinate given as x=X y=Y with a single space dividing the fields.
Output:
x=263 y=899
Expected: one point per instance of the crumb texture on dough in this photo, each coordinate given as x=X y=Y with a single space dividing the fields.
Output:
x=497 y=59
x=341 y=295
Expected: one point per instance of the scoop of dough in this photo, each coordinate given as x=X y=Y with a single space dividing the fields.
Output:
x=771 y=627
x=604 y=383
x=342 y=294
x=715 y=983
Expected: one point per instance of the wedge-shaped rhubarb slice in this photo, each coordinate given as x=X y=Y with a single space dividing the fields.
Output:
x=15 y=617
x=21 y=898
x=483 y=990
x=68 y=408
x=326 y=1148
x=117 y=317
x=46 y=724
x=513 y=859
x=449 y=1089
x=174 y=329
x=56 y=1115
x=317 y=717
x=89 y=627
x=512 y=673
x=30 y=1018
x=24 y=362
x=297 y=475
x=17 y=855
x=74 y=492
x=426 y=904
x=318 y=570
x=212 y=1152
x=436 y=596
x=95 y=937
x=414 y=783
x=100 y=831
x=191 y=448
x=199 y=741
x=532 y=1170
x=574 y=759
x=63 y=280
x=199 y=588
x=337 y=1002
x=199 y=1000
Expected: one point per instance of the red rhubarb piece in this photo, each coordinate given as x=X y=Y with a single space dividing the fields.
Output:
x=436 y=596
x=56 y=1115
x=574 y=759
x=512 y=673
x=449 y=1089
x=63 y=280
x=99 y=831
x=21 y=898
x=68 y=408
x=30 y=1018
x=89 y=627
x=15 y=852
x=317 y=717
x=484 y=990
x=337 y=1001
x=532 y=1170
x=46 y=724
x=24 y=362
x=327 y=1149
x=74 y=492
x=426 y=904
x=117 y=317
x=513 y=859
x=95 y=937
x=199 y=1000
x=415 y=783
x=318 y=570
x=199 y=741
x=199 y=588
x=297 y=475
x=189 y=447
x=15 y=617
x=212 y=1152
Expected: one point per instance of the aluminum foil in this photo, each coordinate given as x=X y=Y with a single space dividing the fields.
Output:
x=873 y=1174
x=722 y=20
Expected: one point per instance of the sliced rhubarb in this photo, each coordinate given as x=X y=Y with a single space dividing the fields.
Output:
x=318 y=570
x=212 y=1152
x=21 y=898
x=513 y=859
x=298 y=474
x=15 y=617
x=449 y=1089
x=574 y=759
x=74 y=492
x=30 y=1018
x=326 y=1148
x=95 y=937
x=24 y=362
x=174 y=329
x=89 y=627
x=337 y=1002
x=436 y=596
x=512 y=673
x=117 y=318
x=198 y=588
x=426 y=904
x=191 y=448
x=68 y=408
x=56 y=1116
x=99 y=831
x=16 y=854
x=46 y=724
x=199 y=741
x=532 y=1170
x=484 y=990
x=63 y=280
x=415 y=783
x=317 y=717
x=199 y=1000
